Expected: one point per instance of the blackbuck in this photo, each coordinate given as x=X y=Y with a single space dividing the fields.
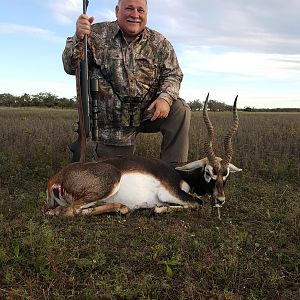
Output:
x=122 y=184
x=208 y=175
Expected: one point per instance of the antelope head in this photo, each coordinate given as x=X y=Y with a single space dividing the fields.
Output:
x=213 y=171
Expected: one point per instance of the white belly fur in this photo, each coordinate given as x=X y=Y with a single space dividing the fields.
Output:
x=142 y=191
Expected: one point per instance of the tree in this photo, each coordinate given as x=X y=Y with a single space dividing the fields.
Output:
x=214 y=105
x=248 y=108
x=7 y=100
x=41 y=99
x=196 y=105
x=24 y=100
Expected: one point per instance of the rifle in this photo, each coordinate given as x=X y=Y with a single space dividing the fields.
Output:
x=78 y=148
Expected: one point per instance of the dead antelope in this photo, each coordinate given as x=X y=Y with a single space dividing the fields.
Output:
x=208 y=175
x=121 y=184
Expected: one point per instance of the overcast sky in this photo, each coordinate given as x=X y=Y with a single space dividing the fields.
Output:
x=225 y=47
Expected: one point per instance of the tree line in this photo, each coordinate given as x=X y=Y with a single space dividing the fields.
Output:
x=51 y=100
x=215 y=105
x=37 y=100
x=212 y=105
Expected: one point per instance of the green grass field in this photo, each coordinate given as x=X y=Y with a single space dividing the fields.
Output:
x=251 y=253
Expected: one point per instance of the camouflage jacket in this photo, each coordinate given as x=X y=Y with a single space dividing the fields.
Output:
x=146 y=68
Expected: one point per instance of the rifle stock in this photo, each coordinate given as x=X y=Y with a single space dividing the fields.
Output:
x=75 y=148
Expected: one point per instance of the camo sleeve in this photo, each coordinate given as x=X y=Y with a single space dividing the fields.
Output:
x=170 y=73
x=72 y=53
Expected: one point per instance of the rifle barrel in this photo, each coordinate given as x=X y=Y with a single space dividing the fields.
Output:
x=84 y=81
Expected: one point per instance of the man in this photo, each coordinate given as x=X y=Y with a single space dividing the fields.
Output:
x=139 y=79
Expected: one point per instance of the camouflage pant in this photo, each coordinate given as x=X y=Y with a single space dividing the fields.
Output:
x=175 y=131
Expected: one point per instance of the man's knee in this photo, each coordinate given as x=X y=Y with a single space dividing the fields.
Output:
x=180 y=113
x=181 y=108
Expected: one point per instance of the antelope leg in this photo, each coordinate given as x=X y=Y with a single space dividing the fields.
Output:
x=106 y=208
x=170 y=208
x=72 y=211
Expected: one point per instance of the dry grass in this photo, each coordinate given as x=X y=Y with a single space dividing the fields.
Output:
x=253 y=253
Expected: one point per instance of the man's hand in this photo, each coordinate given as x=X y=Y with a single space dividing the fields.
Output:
x=162 y=109
x=83 y=26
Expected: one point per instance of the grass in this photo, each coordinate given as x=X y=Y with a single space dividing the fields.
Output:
x=252 y=253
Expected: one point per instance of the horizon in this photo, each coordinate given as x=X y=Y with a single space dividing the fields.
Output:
x=74 y=99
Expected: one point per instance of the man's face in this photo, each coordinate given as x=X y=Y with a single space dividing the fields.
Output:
x=132 y=17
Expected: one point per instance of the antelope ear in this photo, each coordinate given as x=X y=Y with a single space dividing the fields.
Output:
x=233 y=168
x=193 y=165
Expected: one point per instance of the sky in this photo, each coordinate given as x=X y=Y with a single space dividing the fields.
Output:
x=249 y=48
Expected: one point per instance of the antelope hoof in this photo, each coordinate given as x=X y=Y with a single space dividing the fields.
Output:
x=123 y=210
x=192 y=205
x=217 y=203
x=60 y=210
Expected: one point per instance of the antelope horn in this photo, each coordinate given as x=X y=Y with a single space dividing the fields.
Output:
x=228 y=138
x=210 y=132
